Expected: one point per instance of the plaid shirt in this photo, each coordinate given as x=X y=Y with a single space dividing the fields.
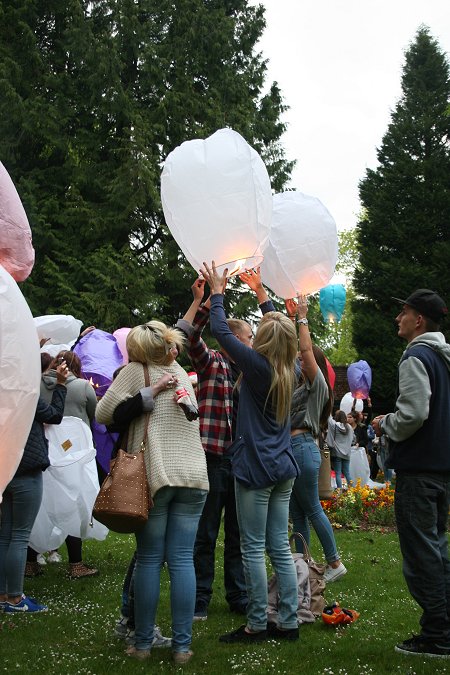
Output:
x=215 y=386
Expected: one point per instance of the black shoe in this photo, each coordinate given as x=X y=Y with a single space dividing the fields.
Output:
x=241 y=635
x=276 y=633
x=420 y=647
x=239 y=609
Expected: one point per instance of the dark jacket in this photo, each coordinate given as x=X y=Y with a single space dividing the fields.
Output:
x=428 y=448
x=35 y=454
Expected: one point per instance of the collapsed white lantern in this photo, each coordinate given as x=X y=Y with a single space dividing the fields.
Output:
x=20 y=375
x=61 y=329
x=217 y=201
x=303 y=246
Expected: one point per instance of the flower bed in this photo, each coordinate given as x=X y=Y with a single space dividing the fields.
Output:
x=361 y=507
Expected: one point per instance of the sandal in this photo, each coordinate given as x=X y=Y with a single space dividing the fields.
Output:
x=79 y=570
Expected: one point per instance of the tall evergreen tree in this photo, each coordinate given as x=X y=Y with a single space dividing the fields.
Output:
x=94 y=95
x=404 y=233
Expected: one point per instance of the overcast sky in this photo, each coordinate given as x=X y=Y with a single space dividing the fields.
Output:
x=338 y=64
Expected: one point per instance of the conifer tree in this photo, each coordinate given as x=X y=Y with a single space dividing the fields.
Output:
x=404 y=233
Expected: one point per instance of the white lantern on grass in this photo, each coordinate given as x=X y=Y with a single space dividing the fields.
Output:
x=217 y=201
x=303 y=247
x=20 y=375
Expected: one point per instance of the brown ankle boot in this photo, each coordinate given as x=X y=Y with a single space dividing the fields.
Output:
x=33 y=569
x=79 y=570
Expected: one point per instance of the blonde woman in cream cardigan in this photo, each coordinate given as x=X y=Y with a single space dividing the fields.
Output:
x=178 y=481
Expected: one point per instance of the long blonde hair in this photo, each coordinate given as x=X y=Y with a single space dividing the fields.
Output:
x=276 y=339
x=151 y=343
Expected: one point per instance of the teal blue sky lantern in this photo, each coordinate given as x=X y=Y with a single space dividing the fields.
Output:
x=332 y=302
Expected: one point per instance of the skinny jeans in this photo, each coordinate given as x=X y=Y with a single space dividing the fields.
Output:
x=305 y=506
x=263 y=522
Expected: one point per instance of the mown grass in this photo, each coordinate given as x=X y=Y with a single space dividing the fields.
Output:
x=76 y=635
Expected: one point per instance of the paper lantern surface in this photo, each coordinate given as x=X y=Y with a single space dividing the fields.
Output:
x=217 y=201
x=359 y=376
x=20 y=375
x=121 y=336
x=303 y=246
x=16 y=248
x=347 y=403
x=100 y=355
x=332 y=302
x=60 y=328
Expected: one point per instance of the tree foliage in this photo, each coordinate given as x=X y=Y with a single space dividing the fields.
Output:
x=404 y=234
x=94 y=95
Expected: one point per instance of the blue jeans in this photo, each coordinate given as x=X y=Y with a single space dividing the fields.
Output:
x=168 y=536
x=220 y=497
x=263 y=521
x=422 y=503
x=21 y=501
x=305 y=506
x=342 y=466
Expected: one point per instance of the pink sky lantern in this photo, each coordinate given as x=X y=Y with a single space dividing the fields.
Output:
x=16 y=248
x=359 y=376
x=303 y=246
x=217 y=201
x=21 y=375
x=121 y=336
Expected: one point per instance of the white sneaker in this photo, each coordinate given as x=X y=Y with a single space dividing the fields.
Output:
x=333 y=574
x=159 y=640
x=54 y=557
x=41 y=559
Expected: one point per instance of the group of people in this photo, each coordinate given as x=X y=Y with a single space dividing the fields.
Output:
x=263 y=401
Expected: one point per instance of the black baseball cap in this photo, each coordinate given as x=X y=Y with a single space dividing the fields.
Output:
x=426 y=302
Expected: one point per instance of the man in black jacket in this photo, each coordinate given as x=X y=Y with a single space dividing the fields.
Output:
x=419 y=434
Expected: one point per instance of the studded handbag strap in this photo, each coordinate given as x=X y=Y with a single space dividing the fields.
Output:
x=147 y=417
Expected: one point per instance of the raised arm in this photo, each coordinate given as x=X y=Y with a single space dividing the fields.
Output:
x=300 y=308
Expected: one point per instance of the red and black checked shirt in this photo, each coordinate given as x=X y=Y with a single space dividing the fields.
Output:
x=215 y=388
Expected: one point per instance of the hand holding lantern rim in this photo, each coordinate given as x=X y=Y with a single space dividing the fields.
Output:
x=299 y=306
x=216 y=282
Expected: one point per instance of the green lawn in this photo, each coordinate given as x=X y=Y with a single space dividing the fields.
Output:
x=76 y=635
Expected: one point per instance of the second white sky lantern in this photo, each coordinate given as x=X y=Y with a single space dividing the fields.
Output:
x=303 y=246
x=217 y=201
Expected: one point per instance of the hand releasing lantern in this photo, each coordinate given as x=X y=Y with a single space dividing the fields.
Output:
x=16 y=249
x=359 y=376
x=332 y=302
x=21 y=375
x=217 y=201
x=302 y=251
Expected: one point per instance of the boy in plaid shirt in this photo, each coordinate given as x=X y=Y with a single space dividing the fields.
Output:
x=217 y=403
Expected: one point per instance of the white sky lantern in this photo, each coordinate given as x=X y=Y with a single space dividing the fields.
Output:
x=303 y=246
x=61 y=329
x=217 y=201
x=20 y=375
